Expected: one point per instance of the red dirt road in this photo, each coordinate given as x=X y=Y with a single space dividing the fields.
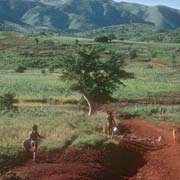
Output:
x=112 y=163
x=163 y=164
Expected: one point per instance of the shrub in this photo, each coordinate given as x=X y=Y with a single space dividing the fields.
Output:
x=51 y=68
x=132 y=54
x=20 y=69
x=14 y=156
x=36 y=40
x=92 y=141
x=7 y=101
x=76 y=42
x=43 y=71
x=60 y=143
x=103 y=39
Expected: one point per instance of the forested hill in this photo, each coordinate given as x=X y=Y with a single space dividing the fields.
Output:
x=82 y=15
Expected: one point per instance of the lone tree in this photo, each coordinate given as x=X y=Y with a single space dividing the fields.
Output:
x=94 y=77
x=111 y=37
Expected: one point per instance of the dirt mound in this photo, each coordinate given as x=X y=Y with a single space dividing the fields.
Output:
x=125 y=161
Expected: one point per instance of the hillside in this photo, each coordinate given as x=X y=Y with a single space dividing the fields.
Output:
x=80 y=15
x=134 y=31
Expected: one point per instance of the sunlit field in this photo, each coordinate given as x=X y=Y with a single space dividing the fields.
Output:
x=44 y=99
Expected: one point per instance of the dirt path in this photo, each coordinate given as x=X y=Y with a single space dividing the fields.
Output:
x=163 y=164
x=157 y=63
x=113 y=163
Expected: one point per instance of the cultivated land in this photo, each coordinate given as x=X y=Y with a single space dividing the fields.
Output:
x=44 y=99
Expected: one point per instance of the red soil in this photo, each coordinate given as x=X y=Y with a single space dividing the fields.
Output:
x=163 y=164
x=113 y=163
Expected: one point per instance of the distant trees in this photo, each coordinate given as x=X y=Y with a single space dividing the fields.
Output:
x=95 y=78
x=105 y=39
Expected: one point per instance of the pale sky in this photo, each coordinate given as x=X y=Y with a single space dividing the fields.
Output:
x=170 y=3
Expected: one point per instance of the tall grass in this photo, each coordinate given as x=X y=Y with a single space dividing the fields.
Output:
x=61 y=127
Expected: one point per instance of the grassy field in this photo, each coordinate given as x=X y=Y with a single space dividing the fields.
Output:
x=62 y=126
x=45 y=100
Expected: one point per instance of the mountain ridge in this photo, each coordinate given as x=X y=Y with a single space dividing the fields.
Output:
x=83 y=15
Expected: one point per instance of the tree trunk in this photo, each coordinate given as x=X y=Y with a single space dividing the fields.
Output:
x=91 y=106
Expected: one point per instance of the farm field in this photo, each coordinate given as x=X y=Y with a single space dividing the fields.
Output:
x=44 y=99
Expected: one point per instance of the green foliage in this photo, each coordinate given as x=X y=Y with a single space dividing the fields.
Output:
x=11 y=155
x=36 y=40
x=103 y=39
x=52 y=144
x=76 y=42
x=157 y=112
x=111 y=37
x=134 y=31
x=132 y=54
x=7 y=102
x=43 y=71
x=93 y=76
x=20 y=69
x=92 y=141
x=61 y=127
x=51 y=68
x=42 y=97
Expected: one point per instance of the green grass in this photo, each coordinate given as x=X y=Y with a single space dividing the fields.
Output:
x=61 y=127
x=66 y=125
x=155 y=81
x=159 y=113
x=32 y=85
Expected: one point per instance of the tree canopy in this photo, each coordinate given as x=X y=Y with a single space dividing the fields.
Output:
x=93 y=76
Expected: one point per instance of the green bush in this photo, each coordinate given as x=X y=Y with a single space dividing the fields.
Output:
x=92 y=141
x=11 y=155
x=58 y=144
x=43 y=71
x=7 y=102
x=20 y=69
x=132 y=54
